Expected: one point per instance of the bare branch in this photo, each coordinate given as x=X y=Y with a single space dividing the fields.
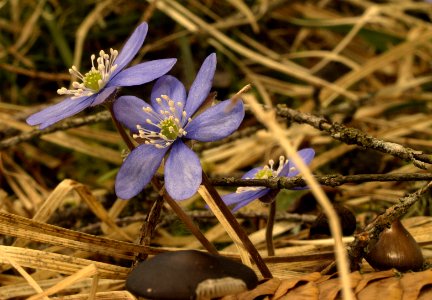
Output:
x=354 y=136
x=329 y=180
x=69 y=123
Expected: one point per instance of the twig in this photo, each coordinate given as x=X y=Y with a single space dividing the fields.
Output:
x=328 y=180
x=149 y=225
x=35 y=73
x=356 y=250
x=69 y=123
x=206 y=214
x=354 y=136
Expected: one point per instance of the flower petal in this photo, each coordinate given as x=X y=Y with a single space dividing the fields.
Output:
x=216 y=122
x=137 y=170
x=290 y=169
x=129 y=111
x=183 y=173
x=59 y=111
x=173 y=88
x=131 y=47
x=243 y=198
x=142 y=73
x=103 y=95
x=201 y=86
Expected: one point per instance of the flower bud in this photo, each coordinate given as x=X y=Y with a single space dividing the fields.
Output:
x=395 y=248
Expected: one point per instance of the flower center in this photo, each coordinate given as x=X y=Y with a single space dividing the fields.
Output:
x=265 y=173
x=167 y=123
x=169 y=129
x=91 y=80
x=95 y=79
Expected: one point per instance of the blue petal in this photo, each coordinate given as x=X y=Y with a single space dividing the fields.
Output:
x=142 y=73
x=137 y=170
x=290 y=169
x=131 y=47
x=129 y=111
x=173 y=88
x=243 y=198
x=201 y=86
x=183 y=173
x=59 y=111
x=216 y=122
x=103 y=95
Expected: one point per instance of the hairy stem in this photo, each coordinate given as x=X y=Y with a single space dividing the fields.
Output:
x=175 y=207
x=253 y=252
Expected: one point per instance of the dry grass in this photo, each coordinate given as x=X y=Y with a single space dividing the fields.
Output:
x=361 y=63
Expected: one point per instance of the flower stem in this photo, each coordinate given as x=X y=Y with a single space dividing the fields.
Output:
x=184 y=217
x=269 y=229
x=125 y=137
x=157 y=184
x=253 y=252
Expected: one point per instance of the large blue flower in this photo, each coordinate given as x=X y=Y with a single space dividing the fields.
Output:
x=161 y=128
x=103 y=79
x=245 y=195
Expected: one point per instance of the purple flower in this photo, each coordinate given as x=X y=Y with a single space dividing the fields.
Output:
x=103 y=79
x=161 y=127
x=245 y=195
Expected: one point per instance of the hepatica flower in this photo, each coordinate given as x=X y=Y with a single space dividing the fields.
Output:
x=245 y=195
x=161 y=128
x=105 y=76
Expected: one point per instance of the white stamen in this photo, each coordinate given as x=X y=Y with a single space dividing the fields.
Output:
x=267 y=172
x=105 y=68
x=168 y=122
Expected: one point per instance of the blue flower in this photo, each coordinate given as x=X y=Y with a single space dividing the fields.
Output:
x=245 y=195
x=103 y=79
x=162 y=126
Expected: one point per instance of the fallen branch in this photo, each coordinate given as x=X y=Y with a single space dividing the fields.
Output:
x=328 y=180
x=354 y=136
x=69 y=123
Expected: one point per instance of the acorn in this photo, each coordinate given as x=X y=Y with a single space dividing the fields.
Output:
x=395 y=248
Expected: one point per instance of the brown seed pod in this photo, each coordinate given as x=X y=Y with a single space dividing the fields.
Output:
x=189 y=274
x=395 y=248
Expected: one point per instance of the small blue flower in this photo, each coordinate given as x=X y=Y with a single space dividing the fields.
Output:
x=103 y=79
x=245 y=195
x=161 y=127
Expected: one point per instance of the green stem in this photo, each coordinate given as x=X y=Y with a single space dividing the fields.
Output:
x=253 y=252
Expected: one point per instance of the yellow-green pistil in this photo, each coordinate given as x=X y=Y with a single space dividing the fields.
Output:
x=169 y=122
x=91 y=80
x=169 y=129
x=95 y=79
x=265 y=173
